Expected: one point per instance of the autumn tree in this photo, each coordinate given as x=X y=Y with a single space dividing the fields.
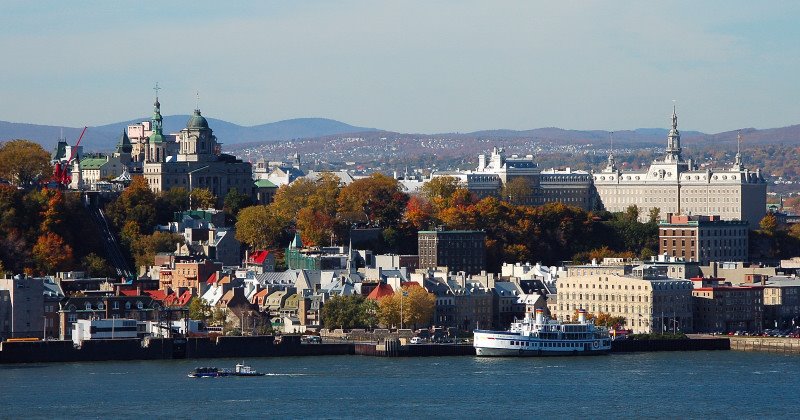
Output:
x=377 y=200
x=23 y=162
x=608 y=320
x=51 y=254
x=768 y=224
x=516 y=190
x=260 y=227
x=419 y=213
x=440 y=187
x=413 y=305
x=202 y=198
x=97 y=266
x=136 y=204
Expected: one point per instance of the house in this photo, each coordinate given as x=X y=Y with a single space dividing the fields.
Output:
x=260 y=261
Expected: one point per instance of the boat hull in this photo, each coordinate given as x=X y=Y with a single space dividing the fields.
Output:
x=505 y=352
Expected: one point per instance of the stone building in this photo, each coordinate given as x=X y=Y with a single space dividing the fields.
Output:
x=677 y=186
x=544 y=186
x=458 y=250
x=192 y=160
x=703 y=239
x=647 y=299
x=781 y=302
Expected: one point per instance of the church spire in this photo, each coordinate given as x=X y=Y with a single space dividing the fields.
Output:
x=673 y=141
x=157 y=120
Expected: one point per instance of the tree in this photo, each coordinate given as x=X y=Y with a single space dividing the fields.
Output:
x=145 y=247
x=199 y=309
x=413 y=303
x=440 y=187
x=22 y=162
x=346 y=312
x=768 y=224
x=516 y=190
x=419 y=212
x=169 y=202
x=607 y=320
x=631 y=213
x=377 y=200
x=202 y=198
x=235 y=201
x=51 y=254
x=260 y=227
x=654 y=215
x=97 y=266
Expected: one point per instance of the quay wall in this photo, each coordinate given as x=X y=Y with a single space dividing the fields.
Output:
x=164 y=348
x=626 y=346
x=766 y=344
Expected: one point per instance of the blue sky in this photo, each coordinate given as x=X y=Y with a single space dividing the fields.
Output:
x=410 y=66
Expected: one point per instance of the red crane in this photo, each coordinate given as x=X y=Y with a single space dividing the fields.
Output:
x=62 y=172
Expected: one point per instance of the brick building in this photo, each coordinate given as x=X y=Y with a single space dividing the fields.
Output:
x=703 y=238
x=458 y=250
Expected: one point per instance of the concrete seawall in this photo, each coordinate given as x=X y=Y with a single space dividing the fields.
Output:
x=766 y=344
x=626 y=346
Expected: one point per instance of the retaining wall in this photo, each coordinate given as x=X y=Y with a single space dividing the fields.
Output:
x=766 y=344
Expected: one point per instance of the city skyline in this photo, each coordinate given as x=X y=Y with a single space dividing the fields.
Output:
x=411 y=67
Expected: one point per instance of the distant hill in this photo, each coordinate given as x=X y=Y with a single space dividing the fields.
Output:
x=104 y=137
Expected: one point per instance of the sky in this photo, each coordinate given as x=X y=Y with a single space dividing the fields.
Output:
x=430 y=66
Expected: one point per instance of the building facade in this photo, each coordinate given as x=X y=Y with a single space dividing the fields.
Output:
x=566 y=186
x=676 y=186
x=721 y=307
x=703 y=239
x=458 y=250
x=22 y=307
x=193 y=160
x=649 y=301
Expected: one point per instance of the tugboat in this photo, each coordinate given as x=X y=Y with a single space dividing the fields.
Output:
x=244 y=370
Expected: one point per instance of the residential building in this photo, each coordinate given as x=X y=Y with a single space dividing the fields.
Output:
x=259 y=261
x=458 y=250
x=703 y=238
x=509 y=304
x=139 y=308
x=721 y=307
x=22 y=307
x=188 y=274
x=673 y=185
x=647 y=298
x=781 y=302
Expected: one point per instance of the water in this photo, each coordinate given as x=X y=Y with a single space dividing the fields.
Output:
x=644 y=385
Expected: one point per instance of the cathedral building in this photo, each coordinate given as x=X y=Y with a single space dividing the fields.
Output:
x=676 y=186
x=191 y=159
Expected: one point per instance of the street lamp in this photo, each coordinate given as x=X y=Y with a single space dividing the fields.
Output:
x=190 y=183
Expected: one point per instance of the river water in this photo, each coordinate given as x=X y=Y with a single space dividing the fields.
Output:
x=722 y=384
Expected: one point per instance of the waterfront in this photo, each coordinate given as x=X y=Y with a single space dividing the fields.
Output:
x=668 y=384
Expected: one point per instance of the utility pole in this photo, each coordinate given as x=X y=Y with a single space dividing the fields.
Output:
x=190 y=183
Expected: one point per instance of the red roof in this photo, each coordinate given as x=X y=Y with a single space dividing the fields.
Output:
x=158 y=295
x=212 y=278
x=258 y=257
x=132 y=292
x=381 y=291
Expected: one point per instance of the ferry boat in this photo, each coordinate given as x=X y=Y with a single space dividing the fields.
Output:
x=541 y=336
x=211 y=372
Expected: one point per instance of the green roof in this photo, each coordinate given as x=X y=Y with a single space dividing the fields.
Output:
x=92 y=163
x=264 y=183
x=197 y=121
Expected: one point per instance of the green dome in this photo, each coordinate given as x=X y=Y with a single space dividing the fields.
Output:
x=197 y=121
x=156 y=138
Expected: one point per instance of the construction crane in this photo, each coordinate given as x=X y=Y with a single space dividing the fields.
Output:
x=62 y=169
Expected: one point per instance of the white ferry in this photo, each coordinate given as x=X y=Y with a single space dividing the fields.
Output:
x=542 y=336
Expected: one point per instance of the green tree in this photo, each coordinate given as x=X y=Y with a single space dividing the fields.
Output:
x=654 y=215
x=23 y=162
x=632 y=213
x=440 y=187
x=235 y=201
x=170 y=202
x=199 y=309
x=202 y=198
x=346 y=312
x=260 y=227
x=97 y=266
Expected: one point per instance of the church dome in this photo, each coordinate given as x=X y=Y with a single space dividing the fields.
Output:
x=197 y=121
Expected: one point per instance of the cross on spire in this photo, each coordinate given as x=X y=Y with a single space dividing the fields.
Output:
x=156 y=88
x=197 y=98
